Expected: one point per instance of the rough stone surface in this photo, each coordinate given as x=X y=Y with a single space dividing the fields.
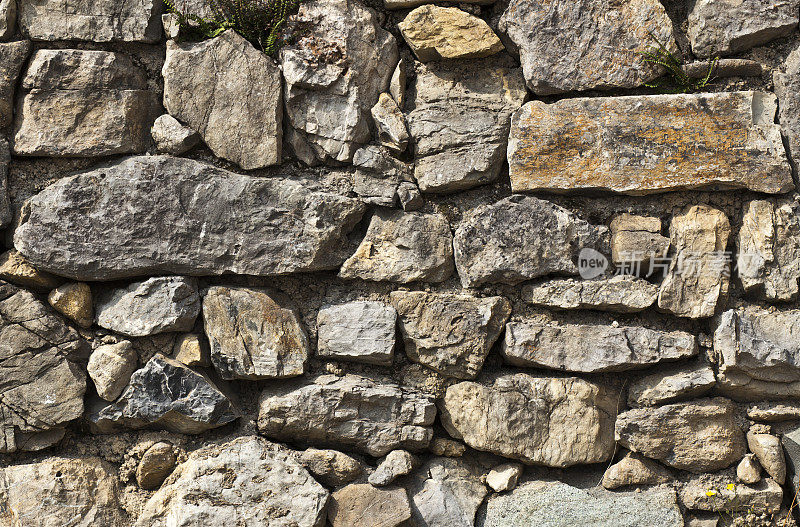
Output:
x=748 y=470
x=787 y=88
x=698 y=276
x=331 y=467
x=378 y=175
x=8 y=18
x=556 y=504
x=671 y=434
x=494 y=242
x=447 y=492
x=725 y=27
x=504 y=477
x=171 y=137
x=110 y=368
x=409 y=196
x=165 y=394
x=774 y=411
x=769 y=451
x=156 y=305
x=5 y=161
x=634 y=469
x=366 y=506
x=403 y=247
x=620 y=294
x=451 y=334
x=252 y=335
x=764 y=496
x=460 y=121
x=436 y=33
x=441 y=446
x=391 y=124
x=74 y=301
x=229 y=92
x=357 y=331
x=17 y=270
x=245 y=481
x=156 y=464
x=569 y=45
x=350 y=411
x=192 y=350
x=592 y=348
x=397 y=463
x=636 y=242
x=249 y=225
x=672 y=384
x=12 y=57
x=101 y=108
x=91 y=20
x=333 y=77
x=556 y=422
x=408 y=4
x=643 y=144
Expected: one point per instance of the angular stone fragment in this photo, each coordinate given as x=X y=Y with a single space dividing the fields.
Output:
x=460 y=121
x=447 y=492
x=768 y=258
x=391 y=124
x=245 y=481
x=409 y=196
x=774 y=411
x=758 y=354
x=12 y=57
x=725 y=27
x=620 y=294
x=556 y=422
x=334 y=76
x=504 y=477
x=378 y=175
x=110 y=368
x=671 y=384
x=252 y=336
x=568 y=45
x=441 y=446
x=165 y=394
x=769 y=452
x=156 y=464
x=17 y=270
x=171 y=137
x=5 y=161
x=699 y=273
x=8 y=18
x=331 y=467
x=593 y=348
x=350 y=411
x=358 y=332
x=366 y=506
x=748 y=470
x=403 y=247
x=787 y=89
x=79 y=492
x=229 y=92
x=637 y=241
x=763 y=497
x=408 y=4
x=436 y=33
x=396 y=463
x=74 y=301
x=649 y=143
x=634 y=469
x=558 y=504
x=519 y=238
x=91 y=20
x=192 y=350
x=258 y=226
x=673 y=432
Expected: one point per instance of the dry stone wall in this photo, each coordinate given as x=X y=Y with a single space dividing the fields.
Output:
x=432 y=264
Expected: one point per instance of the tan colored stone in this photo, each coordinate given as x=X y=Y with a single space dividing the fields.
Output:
x=366 y=506
x=504 y=477
x=619 y=294
x=331 y=467
x=110 y=367
x=635 y=469
x=637 y=240
x=191 y=349
x=74 y=301
x=442 y=446
x=716 y=494
x=436 y=33
x=391 y=124
x=769 y=451
x=17 y=270
x=156 y=464
x=748 y=470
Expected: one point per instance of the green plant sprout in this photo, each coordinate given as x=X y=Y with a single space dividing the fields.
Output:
x=675 y=80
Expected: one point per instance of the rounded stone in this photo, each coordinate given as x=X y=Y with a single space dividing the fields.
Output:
x=157 y=463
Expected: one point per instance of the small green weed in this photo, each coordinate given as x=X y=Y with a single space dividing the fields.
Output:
x=675 y=79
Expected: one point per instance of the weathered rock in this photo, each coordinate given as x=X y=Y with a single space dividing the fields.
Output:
x=673 y=432
x=331 y=467
x=366 y=506
x=699 y=274
x=192 y=350
x=556 y=422
x=350 y=411
x=110 y=368
x=451 y=334
x=495 y=242
x=768 y=259
x=101 y=108
x=165 y=394
x=156 y=464
x=408 y=4
x=769 y=451
x=378 y=175
x=441 y=446
x=619 y=294
x=569 y=45
x=436 y=33
x=334 y=76
x=447 y=492
x=721 y=68
x=17 y=270
x=774 y=411
x=403 y=247
x=245 y=481
x=171 y=137
x=92 y=20
x=156 y=305
x=41 y=387
x=252 y=336
x=74 y=301
x=748 y=470
x=460 y=121
x=12 y=57
x=557 y=504
x=725 y=27
x=791 y=446
x=764 y=496
x=229 y=92
x=758 y=354
x=258 y=226
x=397 y=84
x=672 y=384
x=80 y=492
x=8 y=18
x=636 y=242
x=504 y=477
x=787 y=87
x=391 y=124
x=634 y=469
x=5 y=161
x=593 y=348
x=649 y=143
x=409 y=196
x=357 y=331
x=396 y=463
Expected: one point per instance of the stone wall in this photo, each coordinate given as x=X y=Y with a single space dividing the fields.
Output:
x=430 y=265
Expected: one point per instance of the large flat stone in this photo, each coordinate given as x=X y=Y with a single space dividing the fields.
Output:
x=556 y=422
x=367 y=506
x=649 y=143
x=357 y=331
x=673 y=383
x=258 y=226
x=620 y=294
x=765 y=496
x=12 y=57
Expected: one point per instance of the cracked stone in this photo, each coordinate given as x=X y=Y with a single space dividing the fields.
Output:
x=171 y=137
x=358 y=332
x=683 y=381
x=619 y=294
x=391 y=124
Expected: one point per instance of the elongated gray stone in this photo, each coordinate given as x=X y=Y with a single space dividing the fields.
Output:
x=620 y=294
x=12 y=57
x=185 y=217
x=649 y=143
x=671 y=384
x=787 y=89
